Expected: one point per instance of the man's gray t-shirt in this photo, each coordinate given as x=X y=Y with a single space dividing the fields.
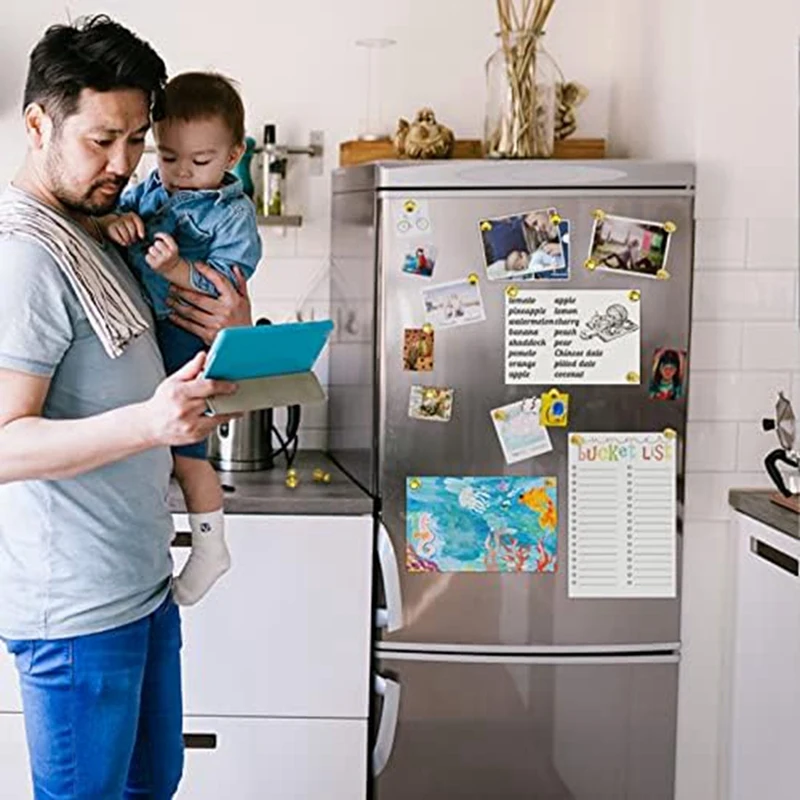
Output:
x=89 y=553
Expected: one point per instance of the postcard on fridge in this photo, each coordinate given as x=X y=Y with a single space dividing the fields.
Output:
x=448 y=305
x=520 y=431
x=622 y=515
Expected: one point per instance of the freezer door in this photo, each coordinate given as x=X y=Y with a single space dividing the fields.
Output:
x=525 y=729
x=489 y=608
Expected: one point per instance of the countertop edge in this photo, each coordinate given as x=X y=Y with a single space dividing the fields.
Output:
x=755 y=504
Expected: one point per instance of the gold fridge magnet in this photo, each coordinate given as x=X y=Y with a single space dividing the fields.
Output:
x=634 y=246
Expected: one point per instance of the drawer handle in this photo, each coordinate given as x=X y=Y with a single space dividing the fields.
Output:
x=780 y=559
x=200 y=741
x=182 y=539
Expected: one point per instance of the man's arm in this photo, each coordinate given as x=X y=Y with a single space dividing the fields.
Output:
x=37 y=448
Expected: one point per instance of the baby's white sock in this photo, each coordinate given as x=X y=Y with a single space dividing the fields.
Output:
x=208 y=561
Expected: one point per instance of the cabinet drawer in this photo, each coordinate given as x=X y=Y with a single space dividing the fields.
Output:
x=282 y=759
x=286 y=632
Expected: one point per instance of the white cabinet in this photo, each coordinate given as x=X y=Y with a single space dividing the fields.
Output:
x=286 y=632
x=765 y=689
x=279 y=759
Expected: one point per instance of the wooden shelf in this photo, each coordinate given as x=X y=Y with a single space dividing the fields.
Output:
x=364 y=152
x=283 y=221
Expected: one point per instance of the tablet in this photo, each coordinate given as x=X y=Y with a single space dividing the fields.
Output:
x=262 y=351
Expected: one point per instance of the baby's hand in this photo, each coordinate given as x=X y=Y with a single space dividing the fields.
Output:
x=163 y=255
x=124 y=229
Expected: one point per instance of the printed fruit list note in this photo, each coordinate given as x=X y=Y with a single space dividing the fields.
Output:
x=560 y=337
x=622 y=513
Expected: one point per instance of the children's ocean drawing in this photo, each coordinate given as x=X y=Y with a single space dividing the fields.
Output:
x=468 y=524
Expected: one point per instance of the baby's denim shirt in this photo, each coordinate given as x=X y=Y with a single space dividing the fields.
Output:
x=215 y=226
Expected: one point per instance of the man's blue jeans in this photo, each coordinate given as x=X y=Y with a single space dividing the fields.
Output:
x=103 y=712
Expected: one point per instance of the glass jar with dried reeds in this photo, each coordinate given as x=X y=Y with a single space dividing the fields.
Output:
x=521 y=82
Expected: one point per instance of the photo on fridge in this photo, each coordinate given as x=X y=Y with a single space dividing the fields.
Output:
x=519 y=246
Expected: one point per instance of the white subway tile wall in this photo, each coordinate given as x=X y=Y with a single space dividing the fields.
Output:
x=745 y=349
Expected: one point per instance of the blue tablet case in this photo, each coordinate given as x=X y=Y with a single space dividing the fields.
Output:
x=270 y=363
x=264 y=350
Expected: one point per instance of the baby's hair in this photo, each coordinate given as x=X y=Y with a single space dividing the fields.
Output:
x=200 y=95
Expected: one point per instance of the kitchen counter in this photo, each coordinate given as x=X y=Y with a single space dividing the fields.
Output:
x=266 y=492
x=755 y=503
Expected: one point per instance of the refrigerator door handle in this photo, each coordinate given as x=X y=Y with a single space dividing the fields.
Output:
x=389 y=690
x=390 y=616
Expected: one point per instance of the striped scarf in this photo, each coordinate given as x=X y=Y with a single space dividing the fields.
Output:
x=112 y=314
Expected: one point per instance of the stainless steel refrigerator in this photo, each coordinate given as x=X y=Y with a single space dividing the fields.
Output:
x=493 y=685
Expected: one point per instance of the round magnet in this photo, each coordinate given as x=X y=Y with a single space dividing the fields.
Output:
x=576 y=439
x=486 y=225
x=414 y=484
x=473 y=278
x=512 y=291
x=410 y=206
x=669 y=433
x=291 y=473
x=662 y=275
x=634 y=295
x=549 y=482
x=555 y=218
x=670 y=227
x=590 y=264
x=632 y=377
x=427 y=328
x=599 y=214
x=291 y=481
x=430 y=394
x=499 y=415
x=318 y=474
x=326 y=478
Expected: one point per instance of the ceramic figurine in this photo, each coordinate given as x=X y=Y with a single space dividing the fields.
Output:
x=424 y=137
x=568 y=97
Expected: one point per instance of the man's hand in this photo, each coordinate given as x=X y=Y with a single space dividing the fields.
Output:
x=175 y=414
x=206 y=315
x=163 y=256
x=124 y=229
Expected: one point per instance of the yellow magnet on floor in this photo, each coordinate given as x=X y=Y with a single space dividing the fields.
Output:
x=634 y=295
x=414 y=484
x=326 y=478
x=318 y=474
x=632 y=377
x=670 y=227
x=291 y=473
x=291 y=481
x=590 y=264
x=473 y=278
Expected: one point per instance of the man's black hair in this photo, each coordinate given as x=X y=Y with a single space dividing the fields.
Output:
x=92 y=53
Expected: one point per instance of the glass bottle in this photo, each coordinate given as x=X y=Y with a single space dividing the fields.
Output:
x=521 y=82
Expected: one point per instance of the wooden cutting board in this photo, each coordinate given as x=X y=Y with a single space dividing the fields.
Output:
x=359 y=152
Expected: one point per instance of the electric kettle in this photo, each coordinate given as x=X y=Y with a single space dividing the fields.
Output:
x=246 y=444
x=784 y=425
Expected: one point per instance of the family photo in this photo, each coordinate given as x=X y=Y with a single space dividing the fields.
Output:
x=520 y=246
x=630 y=245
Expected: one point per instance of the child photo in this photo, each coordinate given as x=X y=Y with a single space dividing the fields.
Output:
x=448 y=305
x=432 y=403
x=418 y=350
x=668 y=374
x=629 y=245
x=420 y=260
x=521 y=246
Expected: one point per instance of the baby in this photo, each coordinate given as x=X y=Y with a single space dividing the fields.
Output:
x=191 y=209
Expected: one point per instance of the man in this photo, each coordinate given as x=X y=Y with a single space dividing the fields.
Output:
x=86 y=421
